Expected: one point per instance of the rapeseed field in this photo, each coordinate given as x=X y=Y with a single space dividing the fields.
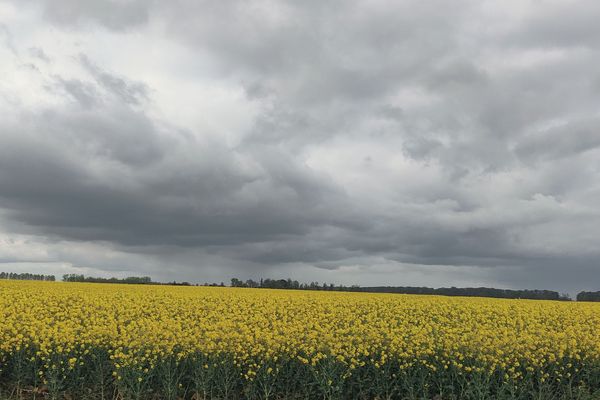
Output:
x=101 y=341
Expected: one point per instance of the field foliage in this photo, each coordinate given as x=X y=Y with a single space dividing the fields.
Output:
x=103 y=341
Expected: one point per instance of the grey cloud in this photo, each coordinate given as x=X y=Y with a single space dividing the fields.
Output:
x=426 y=135
x=8 y=39
x=82 y=92
x=128 y=91
x=391 y=112
x=560 y=25
x=111 y=173
x=114 y=14
x=39 y=53
x=564 y=141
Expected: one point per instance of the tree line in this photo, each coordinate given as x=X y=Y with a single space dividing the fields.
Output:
x=588 y=296
x=294 y=284
x=26 y=276
x=139 y=280
x=451 y=291
x=474 y=292
x=132 y=280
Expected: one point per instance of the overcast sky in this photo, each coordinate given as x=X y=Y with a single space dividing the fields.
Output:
x=412 y=142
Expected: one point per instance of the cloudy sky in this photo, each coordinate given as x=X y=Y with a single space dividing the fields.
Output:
x=374 y=142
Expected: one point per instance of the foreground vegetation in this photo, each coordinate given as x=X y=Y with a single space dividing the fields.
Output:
x=103 y=341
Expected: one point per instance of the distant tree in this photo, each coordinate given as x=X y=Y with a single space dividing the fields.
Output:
x=129 y=280
x=588 y=296
x=252 y=284
x=26 y=276
x=235 y=282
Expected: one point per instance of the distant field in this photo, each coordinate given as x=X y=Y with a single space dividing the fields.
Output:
x=92 y=341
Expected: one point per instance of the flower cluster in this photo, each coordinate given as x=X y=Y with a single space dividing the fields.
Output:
x=263 y=339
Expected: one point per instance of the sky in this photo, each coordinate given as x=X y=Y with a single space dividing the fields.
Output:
x=415 y=143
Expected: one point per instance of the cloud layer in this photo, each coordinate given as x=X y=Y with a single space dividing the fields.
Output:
x=407 y=143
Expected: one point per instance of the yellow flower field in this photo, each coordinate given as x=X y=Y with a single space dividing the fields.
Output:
x=141 y=341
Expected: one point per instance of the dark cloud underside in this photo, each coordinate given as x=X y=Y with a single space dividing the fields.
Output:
x=342 y=138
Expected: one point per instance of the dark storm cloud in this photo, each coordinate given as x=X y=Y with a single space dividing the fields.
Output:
x=98 y=180
x=422 y=133
x=99 y=169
